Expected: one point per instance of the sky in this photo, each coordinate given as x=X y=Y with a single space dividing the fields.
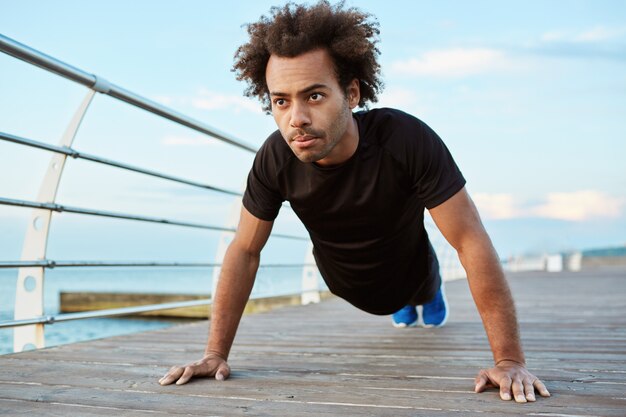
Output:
x=529 y=96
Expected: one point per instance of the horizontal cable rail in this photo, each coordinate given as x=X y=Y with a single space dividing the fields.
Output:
x=113 y=312
x=69 y=209
x=124 y=311
x=81 y=155
x=75 y=264
x=32 y=56
x=38 y=261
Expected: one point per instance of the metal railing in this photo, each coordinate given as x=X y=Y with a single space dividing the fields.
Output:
x=111 y=312
x=77 y=210
x=81 y=155
x=77 y=264
x=101 y=85
x=29 y=318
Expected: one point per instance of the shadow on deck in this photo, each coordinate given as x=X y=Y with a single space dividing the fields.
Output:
x=331 y=359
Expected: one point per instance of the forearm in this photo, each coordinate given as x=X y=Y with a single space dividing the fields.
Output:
x=459 y=222
x=233 y=290
x=493 y=299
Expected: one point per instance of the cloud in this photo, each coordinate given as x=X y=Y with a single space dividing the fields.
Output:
x=580 y=206
x=497 y=206
x=188 y=141
x=596 y=34
x=599 y=42
x=599 y=33
x=595 y=42
x=574 y=206
x=455 y=62
x=210 y=100
x=164 y=100
x=205 y=99
x=397 y=97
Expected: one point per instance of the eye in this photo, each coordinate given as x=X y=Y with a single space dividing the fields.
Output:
x=279 y=102
x=316 y=97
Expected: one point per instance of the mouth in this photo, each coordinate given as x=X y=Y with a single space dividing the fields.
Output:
x=304 y=141
x=303 y=138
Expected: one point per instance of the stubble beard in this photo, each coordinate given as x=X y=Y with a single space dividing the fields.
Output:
x=333 y=136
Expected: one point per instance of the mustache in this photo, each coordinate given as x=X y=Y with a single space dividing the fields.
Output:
x=306 y=131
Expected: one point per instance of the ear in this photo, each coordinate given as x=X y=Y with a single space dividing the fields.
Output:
x=353 y=93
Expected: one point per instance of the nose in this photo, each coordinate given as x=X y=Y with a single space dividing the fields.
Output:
x=299 y=116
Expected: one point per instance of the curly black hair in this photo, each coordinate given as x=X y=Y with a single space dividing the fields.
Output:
x=349 y=35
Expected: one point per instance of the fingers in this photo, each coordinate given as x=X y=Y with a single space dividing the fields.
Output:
x=481 y=381
x=505 y=388
x=186 y=376
x=543 y=391
x=174 y=373
x=518 y=391
x=207 y=367
x=514 y=383
x=529 y=390
x=223 y=372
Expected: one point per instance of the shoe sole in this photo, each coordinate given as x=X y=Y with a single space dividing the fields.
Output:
x=404 y=325
x=445 y=318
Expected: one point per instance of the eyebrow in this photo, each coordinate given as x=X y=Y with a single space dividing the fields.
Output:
x=303 y=91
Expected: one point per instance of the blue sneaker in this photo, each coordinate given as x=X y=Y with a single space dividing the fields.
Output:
x=435 y=312
x=405 y=317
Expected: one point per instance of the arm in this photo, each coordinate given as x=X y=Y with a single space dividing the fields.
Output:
x=459 y=222
x=239 y=268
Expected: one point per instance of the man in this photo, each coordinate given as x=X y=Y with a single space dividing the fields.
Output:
x=359 y=182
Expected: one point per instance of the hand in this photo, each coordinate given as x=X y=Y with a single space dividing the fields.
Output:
x=511 y=376
x=210 y=365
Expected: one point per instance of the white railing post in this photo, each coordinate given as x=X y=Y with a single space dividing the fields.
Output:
x=310 y=281
x=30 y=281
x=224 y=240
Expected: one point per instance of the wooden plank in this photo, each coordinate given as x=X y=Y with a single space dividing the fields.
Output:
x=331 y=359
x=280 y=397
x=29 y=408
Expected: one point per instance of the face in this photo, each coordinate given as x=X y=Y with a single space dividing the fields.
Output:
x=313 y=113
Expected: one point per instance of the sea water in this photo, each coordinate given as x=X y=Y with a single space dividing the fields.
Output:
x=173 y=280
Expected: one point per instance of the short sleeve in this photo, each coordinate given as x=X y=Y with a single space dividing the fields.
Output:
x=437 y=176
x=262 y=197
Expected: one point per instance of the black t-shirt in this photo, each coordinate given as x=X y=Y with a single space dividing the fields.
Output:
x=366 y=215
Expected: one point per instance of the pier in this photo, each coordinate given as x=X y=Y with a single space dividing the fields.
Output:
x=331 y=359
x=320 y=359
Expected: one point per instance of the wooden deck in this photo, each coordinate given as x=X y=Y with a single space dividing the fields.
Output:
x=331 y=359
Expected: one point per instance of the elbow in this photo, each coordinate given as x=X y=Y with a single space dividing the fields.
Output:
x=475 y=245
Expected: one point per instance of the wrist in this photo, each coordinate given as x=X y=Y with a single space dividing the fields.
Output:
x=212 y=352
x=507 y=361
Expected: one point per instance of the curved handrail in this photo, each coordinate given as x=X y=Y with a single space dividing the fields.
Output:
x=48 y=263
x=34 y=260
x=116 y=312
x=77 y=210
x=113 y=312
x=82 y=155
x=99 y=84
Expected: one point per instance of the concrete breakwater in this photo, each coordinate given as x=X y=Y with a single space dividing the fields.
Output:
x=74 y=302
